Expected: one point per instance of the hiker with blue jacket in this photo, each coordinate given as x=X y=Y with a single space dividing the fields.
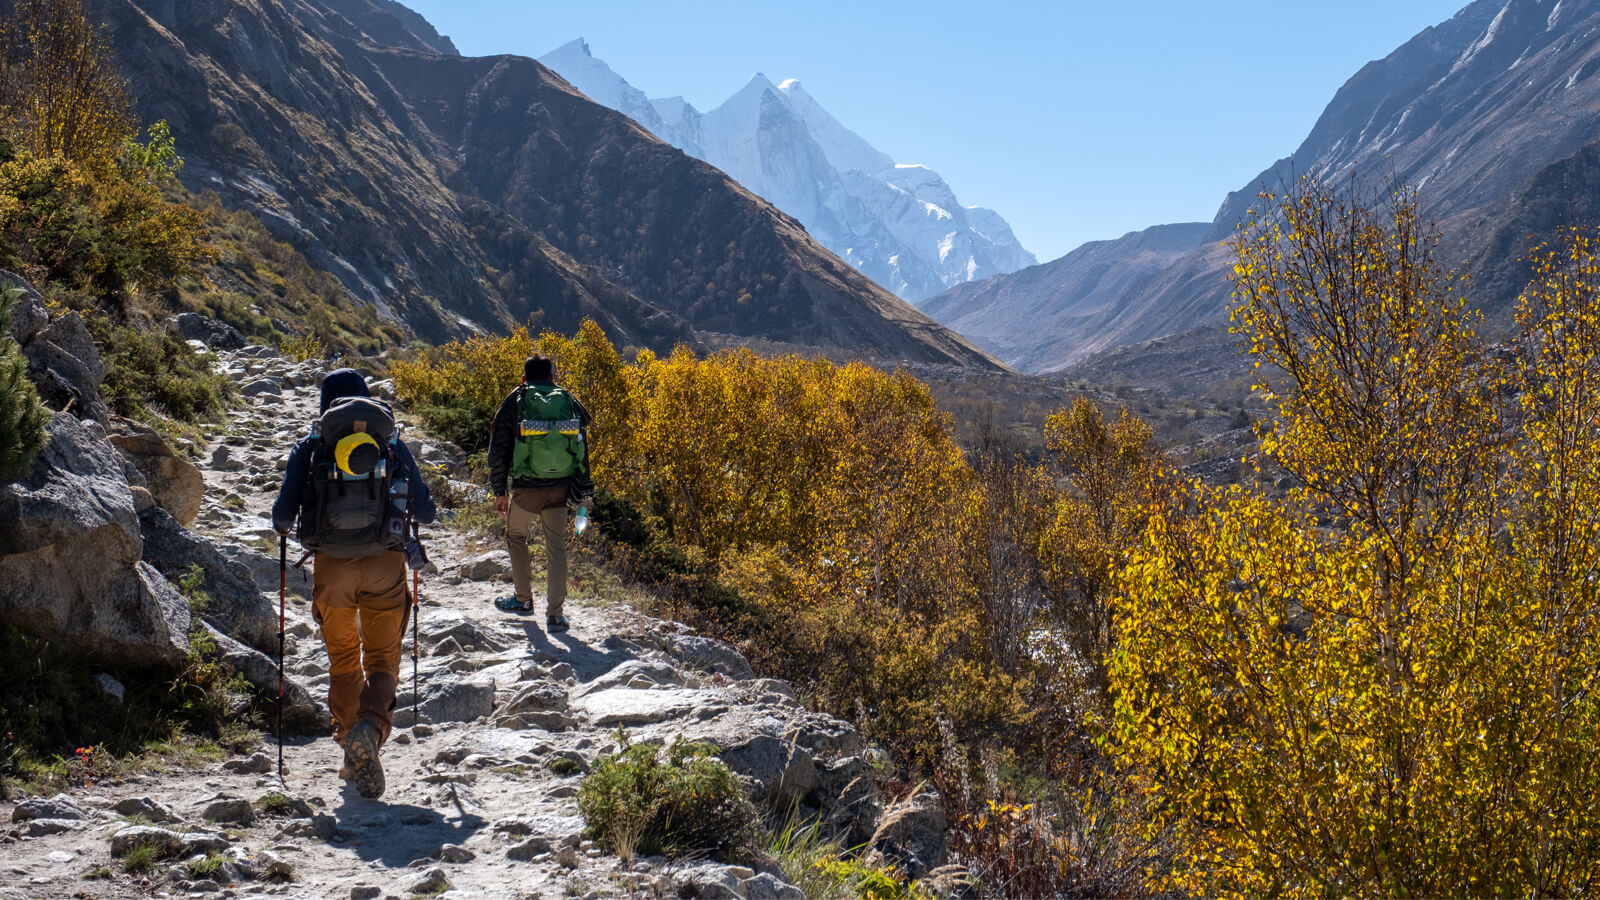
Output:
x=538 y=466
x=352 y=490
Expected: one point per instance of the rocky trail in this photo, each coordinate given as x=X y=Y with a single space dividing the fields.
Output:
x=482 y=786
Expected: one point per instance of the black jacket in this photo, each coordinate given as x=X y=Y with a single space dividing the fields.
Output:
x=503 y=440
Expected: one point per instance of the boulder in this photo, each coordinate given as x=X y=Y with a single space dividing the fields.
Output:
x=446 y=697
x=710 y=655
x=263 y=570
x=228 y=810
x=148 y=808
x=785 y=775
x=849 y=800
x=29 y=314
x=911 y=834
x=634 y=673
x=58 y=807
x=492 y=566
x=65 y=350
x=192 y=326
x=766 y=886
x=261 y=671
x=237 y=606
x=70 y=550
x=174 y=482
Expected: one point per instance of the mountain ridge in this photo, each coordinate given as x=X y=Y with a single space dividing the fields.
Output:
x=376 y=160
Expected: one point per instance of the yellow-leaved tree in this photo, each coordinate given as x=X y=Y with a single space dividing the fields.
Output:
x=1381 y=683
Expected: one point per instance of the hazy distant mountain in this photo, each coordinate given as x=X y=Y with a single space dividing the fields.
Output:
x=1494 y=113
x=1038 y=319
x=459 y=194
x=901 y=225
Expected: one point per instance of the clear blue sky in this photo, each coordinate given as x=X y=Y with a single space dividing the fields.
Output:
x=1076 y=121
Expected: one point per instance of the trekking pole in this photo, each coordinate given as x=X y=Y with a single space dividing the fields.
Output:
x=283 y=587
x=416 y=610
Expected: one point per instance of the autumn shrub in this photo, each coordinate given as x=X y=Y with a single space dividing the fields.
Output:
x=675 y=801
x=1380 y=683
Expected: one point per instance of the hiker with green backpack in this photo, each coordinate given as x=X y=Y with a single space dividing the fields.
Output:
x=538 y=466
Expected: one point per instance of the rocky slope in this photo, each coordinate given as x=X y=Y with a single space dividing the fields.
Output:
x=1043 y=317
x=461 y=194
x=1492 y=114
x=481 y=781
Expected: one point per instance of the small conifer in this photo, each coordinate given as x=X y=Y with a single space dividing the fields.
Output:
x=22 y=418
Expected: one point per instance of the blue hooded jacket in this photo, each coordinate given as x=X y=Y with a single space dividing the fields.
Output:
x=292 y=496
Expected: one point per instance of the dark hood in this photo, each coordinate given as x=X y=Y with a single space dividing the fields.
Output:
x=341 y=383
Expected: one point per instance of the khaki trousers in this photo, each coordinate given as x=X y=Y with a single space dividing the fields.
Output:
x=362 y=607
x=546 y=510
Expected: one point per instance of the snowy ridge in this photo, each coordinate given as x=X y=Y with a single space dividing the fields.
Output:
x=901 y=225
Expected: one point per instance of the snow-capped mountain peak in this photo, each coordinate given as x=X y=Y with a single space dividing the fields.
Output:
x=900 y=224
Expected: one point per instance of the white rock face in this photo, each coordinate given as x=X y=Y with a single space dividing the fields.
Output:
x=899 y=224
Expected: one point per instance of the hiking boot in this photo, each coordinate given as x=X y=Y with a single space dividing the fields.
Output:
x=557 y=624
x=513 y=605
x=361 y=757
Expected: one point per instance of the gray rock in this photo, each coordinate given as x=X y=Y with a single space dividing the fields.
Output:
x=237 y=606
x=630 y=706
x=262 y=672
x=271 y=865
x=634 y=673
x=828 y=737
x=223 y=459
x=912 y=834
x=255 y=764
x=154 y=810
x=73 y=507
x=43 y=827
x=710 y=655
x=262 y=386
x=528 y=849
x=432 y=882
x=66 y=367
x=541 y=696
x=784 y=773
x=28 y=314
x=321 y=827
x=175 y=484
x=228 y=810
x=58 y=807
x=279 y=802
x=766 y=886
x=165 y=842
x=707 y=880
x=446 y=697
x=492 y=566
x=263 y=570
x=454 y=853
x=442 y=625
x=110 y=686
x=365 y=892
x=217 y=335
x=849 y=799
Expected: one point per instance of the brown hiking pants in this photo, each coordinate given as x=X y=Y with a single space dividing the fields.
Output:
x=361 y=605
x=545 y=508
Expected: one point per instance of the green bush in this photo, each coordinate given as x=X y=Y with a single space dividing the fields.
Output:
x=22 y=419
x=153 y=371
x=679 y=803
x=462 y=422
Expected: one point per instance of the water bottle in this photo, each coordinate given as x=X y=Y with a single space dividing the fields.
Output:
x=582 y=521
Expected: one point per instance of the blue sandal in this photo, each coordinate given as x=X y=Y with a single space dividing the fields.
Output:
x=512 y=604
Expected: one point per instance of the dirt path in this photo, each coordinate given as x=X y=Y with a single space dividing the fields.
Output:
x=481 y=797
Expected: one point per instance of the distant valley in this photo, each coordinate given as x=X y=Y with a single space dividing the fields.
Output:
x=1493 y=114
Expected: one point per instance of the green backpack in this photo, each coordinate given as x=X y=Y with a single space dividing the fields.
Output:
x=549 y=442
